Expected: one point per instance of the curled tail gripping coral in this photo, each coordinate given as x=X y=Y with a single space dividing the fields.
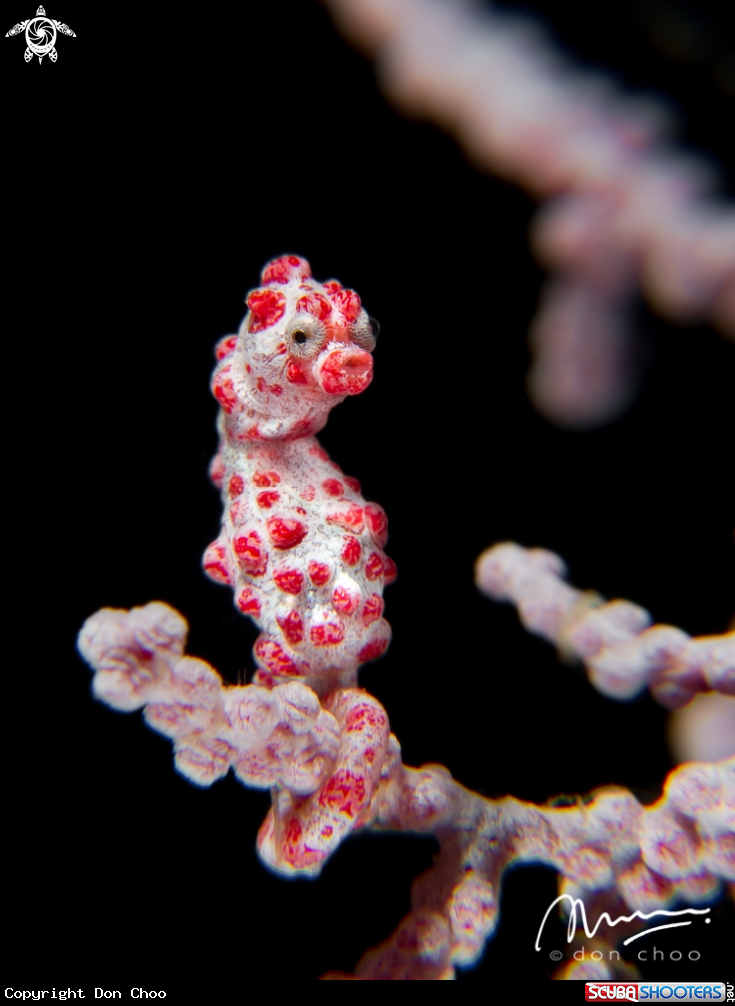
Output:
x=303 y=552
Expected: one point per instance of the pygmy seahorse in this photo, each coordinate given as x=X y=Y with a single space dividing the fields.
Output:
x=299 y=544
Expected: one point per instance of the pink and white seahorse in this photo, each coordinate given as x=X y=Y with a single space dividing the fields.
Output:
x=299 y=544
x=304 y=554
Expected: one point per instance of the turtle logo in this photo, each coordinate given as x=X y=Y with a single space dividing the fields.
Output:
x=40 y=35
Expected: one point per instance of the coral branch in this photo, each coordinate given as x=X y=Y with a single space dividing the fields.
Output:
x=621 y=650
x=335 y=768
x=622 y=210
x=269 y=737
x=611 y=852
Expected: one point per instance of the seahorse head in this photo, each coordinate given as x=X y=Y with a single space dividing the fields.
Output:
x=302 y=348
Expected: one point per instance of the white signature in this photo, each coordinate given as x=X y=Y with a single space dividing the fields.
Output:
x=572 y=924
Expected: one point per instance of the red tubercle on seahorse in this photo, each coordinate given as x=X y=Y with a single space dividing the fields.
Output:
x=270 y=389
x=390 y=571
x=345 y=600
x=328 y=633
x=315 y=304
x=266 y=308
x=225 y=346
x=292 y=626
x=374 y=649
x=348 y=303
x=294 y=373
x=289 y=580
x=217 y=470
x=224 y=391
x=250 y=553
x=267 y=500
x=235 y=485
x=377 y=522
x=285 y=269
x=372 y=609
x=351 y=550
x=374 y=566
x=270 y=478
x=333 y=487
x=216 y=563
x=319 y=573
x=349 y=517
x=274 y=658
x=248 y=602
x=286 y=532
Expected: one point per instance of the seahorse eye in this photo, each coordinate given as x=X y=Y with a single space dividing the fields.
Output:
x=305 y=335
x=365 y=332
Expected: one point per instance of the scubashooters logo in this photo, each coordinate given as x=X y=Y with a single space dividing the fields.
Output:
x=41 y=34
x=641 y=991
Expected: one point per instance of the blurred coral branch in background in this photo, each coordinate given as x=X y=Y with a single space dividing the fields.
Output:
x=622 y=209
x=622 y=652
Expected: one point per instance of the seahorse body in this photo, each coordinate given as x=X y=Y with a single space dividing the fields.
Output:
x=299 y=545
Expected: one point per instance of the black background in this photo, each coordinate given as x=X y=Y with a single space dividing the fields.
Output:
x=153 y=170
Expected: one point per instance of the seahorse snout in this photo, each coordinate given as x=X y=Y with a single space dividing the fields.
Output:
x=345 y=371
